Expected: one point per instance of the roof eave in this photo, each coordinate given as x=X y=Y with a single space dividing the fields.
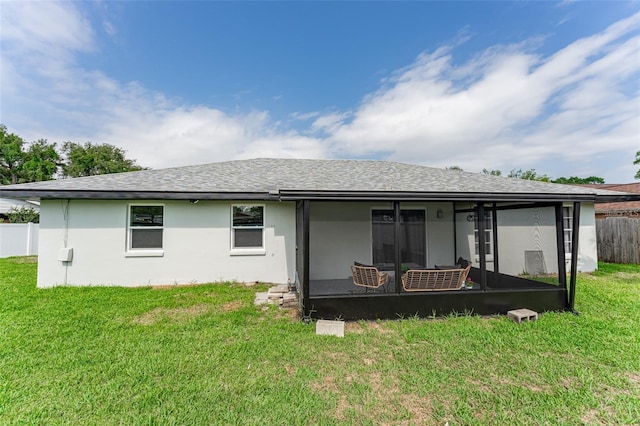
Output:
x=305 y=195
x=617 y=198
x=429 y=196
x=137 y=195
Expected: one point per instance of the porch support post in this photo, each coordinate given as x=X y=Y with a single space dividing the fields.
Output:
x=494 y=224
x=455 y=231
x=306 y=300
x=396 y=246
x=481 y=246
x=562 y=271
x=574 y=255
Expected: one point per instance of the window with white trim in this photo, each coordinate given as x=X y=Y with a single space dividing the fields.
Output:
x=247 y=227
x=146 y=223
x=567 y=228
x=488 y=235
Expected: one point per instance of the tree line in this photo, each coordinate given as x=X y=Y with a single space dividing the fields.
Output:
x=40 y=160
x=531 y=174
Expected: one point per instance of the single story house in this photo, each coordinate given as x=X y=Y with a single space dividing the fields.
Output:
x=305 y=222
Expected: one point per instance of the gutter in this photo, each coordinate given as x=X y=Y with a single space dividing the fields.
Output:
x=293 y=195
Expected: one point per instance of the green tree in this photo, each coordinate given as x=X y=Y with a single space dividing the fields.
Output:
x=530 y=174
x=21 y=162
x=491 y=172
x=637 y=161
x=95 y=159
x=577 y=180
x=456 y=168
x=11 y=157
x=41 y=161
x=23 y=215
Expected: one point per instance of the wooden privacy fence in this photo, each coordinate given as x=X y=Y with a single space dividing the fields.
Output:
x=618 y=239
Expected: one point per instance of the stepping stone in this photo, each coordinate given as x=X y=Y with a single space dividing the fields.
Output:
x=519 y=315
x=261 y=299
x=331 y=328
x=282 y=288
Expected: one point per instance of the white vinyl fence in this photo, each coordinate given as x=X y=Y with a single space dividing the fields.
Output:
x=18 y=239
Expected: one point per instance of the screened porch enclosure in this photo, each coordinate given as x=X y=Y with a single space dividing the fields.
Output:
x=519 y=255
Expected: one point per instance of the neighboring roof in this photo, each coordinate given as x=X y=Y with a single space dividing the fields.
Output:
x=617 y=208
x=305 y=179
x=7 y=204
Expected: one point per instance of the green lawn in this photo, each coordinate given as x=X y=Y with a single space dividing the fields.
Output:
x=206 y=355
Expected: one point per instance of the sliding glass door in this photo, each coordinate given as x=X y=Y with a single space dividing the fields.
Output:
x=412 y=238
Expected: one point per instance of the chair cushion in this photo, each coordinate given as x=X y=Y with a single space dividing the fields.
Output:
x=362 y=264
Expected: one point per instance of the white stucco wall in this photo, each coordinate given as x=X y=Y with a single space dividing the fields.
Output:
x=196 y=245
x=531 y=230
x=526 y=230
x=340 y=233
x=587 y=244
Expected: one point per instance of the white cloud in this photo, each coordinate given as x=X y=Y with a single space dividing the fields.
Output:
x=507 y=107
x=45 y=28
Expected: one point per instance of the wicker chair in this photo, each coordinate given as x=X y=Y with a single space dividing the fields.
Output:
x=368 y=276
x=434 y=279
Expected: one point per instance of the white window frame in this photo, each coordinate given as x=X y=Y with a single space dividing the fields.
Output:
x=488 y=237
x=143 y=252
x=567 y=213
x=248 y=251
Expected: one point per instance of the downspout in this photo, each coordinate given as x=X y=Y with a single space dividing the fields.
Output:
x=65 y=216
x=574 y=256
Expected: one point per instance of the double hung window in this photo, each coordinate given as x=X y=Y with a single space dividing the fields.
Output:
x=488 y=235
x=146 y=223
x=567 y=227
x=247 y=227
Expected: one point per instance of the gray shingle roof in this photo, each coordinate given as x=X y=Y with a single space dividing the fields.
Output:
x=266 y=175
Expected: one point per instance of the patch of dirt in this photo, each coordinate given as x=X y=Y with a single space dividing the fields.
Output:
x=420 y=407
x=626 y=276
x=484 y=388
x=24 y=259
x=328 y=384
x=343 y=405
x=383 y=392
x=231 y=306
x=525 y=385
x=568 y=382
x=292 y=313
x=359 y=327
x=374 y=325
x=289 y=369
x=593 y=417
x=353 y=327
x=175 y=314
x=634 y=378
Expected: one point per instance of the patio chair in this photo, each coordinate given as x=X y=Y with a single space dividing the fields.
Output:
x=368 y=276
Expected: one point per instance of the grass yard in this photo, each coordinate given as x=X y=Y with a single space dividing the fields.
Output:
x=206 y=355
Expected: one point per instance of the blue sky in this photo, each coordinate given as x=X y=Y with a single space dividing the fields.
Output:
x=497 y=85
